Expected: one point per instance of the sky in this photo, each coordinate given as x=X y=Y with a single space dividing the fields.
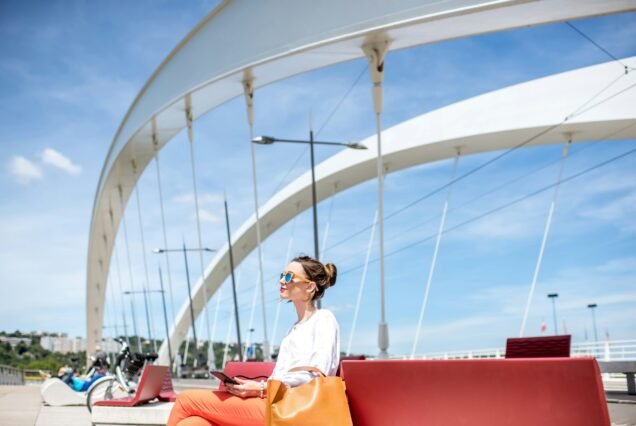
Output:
x=70 y=70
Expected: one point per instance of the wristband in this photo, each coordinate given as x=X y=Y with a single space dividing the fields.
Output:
x=262 y=395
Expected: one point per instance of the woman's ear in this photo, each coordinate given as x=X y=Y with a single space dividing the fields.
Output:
x=312 y=287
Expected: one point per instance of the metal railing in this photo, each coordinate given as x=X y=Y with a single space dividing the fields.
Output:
x=611 y=350
x=11 y=375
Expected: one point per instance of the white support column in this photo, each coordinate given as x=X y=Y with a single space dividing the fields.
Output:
x=248 y=90
x=434 y=260
x=375 y=53
x=188 y=111
x=546 y=232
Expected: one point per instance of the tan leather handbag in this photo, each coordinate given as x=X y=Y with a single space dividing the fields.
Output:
x=321 y=402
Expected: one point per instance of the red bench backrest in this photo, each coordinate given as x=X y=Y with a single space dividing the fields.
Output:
x=538 y=347
x=150 y=382
x=520 y=392
x=149 y=387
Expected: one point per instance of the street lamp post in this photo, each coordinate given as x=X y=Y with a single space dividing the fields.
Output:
x=592 y=306
x=268 y=140
x=185 y=251
x=165 y=317
x=553 y=296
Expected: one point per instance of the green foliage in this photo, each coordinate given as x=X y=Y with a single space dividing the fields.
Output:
x=34 y=356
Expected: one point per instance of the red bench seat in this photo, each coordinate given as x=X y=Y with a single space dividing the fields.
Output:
x=547 y=391
x=149 y=388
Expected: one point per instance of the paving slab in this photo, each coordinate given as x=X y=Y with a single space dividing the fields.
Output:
x=19 y=405
x=67 y=416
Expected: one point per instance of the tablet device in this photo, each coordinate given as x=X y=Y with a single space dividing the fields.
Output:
x=224 y=377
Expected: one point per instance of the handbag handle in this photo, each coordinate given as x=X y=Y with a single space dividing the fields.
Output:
x=314 y=369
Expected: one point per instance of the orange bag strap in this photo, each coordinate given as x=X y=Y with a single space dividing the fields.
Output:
x=314 y=369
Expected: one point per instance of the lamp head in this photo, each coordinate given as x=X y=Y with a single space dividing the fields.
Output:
x=355 y=145
x=551 y=295
x=592 y=305
x=157 y=250
x=264 y=140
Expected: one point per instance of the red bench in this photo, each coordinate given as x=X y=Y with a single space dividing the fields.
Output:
x=538 y=347
x=547 y=391
x=167 y=393
x=149 y=388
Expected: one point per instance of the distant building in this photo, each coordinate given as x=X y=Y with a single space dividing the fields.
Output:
x=13 y=341
x=63 y=344
x=78 y=344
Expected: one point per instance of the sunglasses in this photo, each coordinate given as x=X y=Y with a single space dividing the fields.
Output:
x=288 y=276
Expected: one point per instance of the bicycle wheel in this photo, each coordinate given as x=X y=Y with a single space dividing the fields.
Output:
x=104 y=389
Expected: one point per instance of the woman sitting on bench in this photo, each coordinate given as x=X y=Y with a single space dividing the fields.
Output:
x=313 y=341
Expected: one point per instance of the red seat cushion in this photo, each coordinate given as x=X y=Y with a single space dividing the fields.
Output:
x=538 y=347
x=520 y=392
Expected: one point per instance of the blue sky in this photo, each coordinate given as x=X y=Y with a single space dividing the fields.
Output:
x=69 y=71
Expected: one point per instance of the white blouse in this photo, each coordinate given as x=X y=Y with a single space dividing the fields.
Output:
x=314 y=343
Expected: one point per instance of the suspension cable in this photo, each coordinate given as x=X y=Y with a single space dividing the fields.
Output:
x=163 y=219
x=500 y=207
x=325 y=234
x=130 y=273
x=189 y=118
x=577 y=111
x=546 y=232
x=491 y=191
x=230 y=323
x=118 y=269
x=588 y=38
x=146 y=286
x=362 y=283
x=290 y=244
x=320 y=129
x=434 y=259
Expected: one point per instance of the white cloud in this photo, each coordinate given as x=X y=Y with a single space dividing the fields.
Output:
x=619 y=211
x=206 y=216
x=53 y=158
x=206 y=198
x=24 y=170
x=339 y=309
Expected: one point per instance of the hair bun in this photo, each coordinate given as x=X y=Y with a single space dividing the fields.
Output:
x=332 y=273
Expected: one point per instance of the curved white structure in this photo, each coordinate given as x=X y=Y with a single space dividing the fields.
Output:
x=494 y=121
x=269 y=41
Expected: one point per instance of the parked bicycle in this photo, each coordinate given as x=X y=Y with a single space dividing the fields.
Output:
x=123 y=382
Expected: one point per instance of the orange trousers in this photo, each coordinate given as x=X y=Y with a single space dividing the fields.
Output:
x=204 y=407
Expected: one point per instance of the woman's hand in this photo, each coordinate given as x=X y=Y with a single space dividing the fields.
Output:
x=246 y=388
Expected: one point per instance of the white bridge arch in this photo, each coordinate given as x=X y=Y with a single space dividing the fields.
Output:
x=248 y=39
x=493 y=121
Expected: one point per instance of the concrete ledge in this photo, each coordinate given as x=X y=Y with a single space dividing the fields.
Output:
x=150 y=414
